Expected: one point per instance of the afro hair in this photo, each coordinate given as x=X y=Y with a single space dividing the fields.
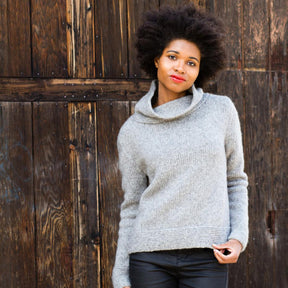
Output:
x=160 y=27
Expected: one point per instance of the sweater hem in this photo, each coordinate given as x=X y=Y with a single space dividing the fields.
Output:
x=182 y=238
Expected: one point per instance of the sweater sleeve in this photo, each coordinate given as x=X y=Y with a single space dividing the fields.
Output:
x=134 y=183
x=236 y=180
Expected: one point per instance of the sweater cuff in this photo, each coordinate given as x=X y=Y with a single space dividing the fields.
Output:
x=120 y=277
x=241 y=238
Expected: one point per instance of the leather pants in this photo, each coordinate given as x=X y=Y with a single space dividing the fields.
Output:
x=187 y=268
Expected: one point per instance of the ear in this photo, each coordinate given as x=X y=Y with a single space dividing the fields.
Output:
x=156 y=62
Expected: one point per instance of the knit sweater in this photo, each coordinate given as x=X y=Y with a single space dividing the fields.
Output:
x=182 y=176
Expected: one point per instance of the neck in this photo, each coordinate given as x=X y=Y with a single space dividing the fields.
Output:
x=165 y=96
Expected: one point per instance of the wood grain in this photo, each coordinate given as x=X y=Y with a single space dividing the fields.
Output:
x=135 y=11
x=111 y=116
x=83 y=159
x=72 y=90
x=256 y=34
x=279 y=121
x=53 y=200
x=15 y=49
x=258 y=152
x=17 y=225
x=49 y=44
x=230 y=12
x=111 y=39
x=80 y=38
x=279 y=35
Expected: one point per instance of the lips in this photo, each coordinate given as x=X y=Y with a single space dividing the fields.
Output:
x=177 y=79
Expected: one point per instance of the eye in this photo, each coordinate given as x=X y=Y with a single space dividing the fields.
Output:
x=191 y=63
x=172 y=57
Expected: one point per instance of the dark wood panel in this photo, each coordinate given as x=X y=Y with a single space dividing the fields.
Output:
x=53 y=200
x=279 y=120
x=111 y=39
x=49 y=42
x=279 y=226
x=80 y=38
x=230 y=12
x=255 y=34
x=83 y=159
x=15 y=50
x=258 y=153
x=17 y=218
x=71 y=90
x=110 y=116
x=279 y=35
x=135 y=11
x=281 y=265
x=230 y=83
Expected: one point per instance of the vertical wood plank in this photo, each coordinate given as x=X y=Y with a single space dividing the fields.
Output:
x=80 y=38
x=279 y=35
x=17 y=218
x=258 y=162
x=230 y=12
x=52 y=195
x=83 y=159
x=230 y=83
x=111 y=38
x=256 y=34
x=135 y=11
x=49 y=42
x=15 y=50
x=279 y=120
x=111 y=116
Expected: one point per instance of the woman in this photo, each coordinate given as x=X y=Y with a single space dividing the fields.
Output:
x=184 y=216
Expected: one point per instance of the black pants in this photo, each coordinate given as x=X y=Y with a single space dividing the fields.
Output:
x=189 y=268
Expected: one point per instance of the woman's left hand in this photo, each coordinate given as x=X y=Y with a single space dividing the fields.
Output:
x=228 y=252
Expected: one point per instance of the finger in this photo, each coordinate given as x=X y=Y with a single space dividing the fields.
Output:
x=225 y=259
x=220 y=246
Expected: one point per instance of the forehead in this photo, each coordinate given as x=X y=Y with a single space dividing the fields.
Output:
x=183 y=47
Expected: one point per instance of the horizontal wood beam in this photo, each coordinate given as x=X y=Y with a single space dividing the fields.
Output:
x=71 y=90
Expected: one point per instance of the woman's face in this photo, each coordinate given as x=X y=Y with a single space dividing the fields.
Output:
x=178 y=67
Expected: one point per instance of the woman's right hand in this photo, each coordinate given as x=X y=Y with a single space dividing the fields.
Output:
x=127 y=287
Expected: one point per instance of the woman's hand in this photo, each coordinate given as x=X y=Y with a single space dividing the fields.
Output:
x=127 y=287
x=228 y=252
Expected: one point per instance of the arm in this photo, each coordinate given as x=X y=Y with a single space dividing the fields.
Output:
x=237 y=193
x=133 y=184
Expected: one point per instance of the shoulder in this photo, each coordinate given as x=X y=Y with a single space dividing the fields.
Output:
x=127 y=131
x=220 y=102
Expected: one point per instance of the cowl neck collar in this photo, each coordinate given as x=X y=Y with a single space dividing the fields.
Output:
x=172 y=110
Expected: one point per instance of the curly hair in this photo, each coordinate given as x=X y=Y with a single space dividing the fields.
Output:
x=162 y=26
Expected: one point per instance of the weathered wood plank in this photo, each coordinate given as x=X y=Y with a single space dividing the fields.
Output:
x=135 y=11
x=281 y=247
x=111 y=39
x=49 y=42
x=110 y=116
x=53 y=200
x=279 y=35
x=83 y=159
x=230 y=12
x=15 y=50
x=17 y=218
x=72 y=90
x=258 y=153
x=230 y=83
x=255 y=34
x=279 y=121
x=80 y=38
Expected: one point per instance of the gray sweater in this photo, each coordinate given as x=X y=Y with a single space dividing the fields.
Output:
x=182 y=176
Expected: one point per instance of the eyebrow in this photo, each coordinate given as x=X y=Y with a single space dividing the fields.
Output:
x=174 y=51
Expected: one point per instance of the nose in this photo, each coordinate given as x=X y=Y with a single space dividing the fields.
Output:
x=179 y=67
